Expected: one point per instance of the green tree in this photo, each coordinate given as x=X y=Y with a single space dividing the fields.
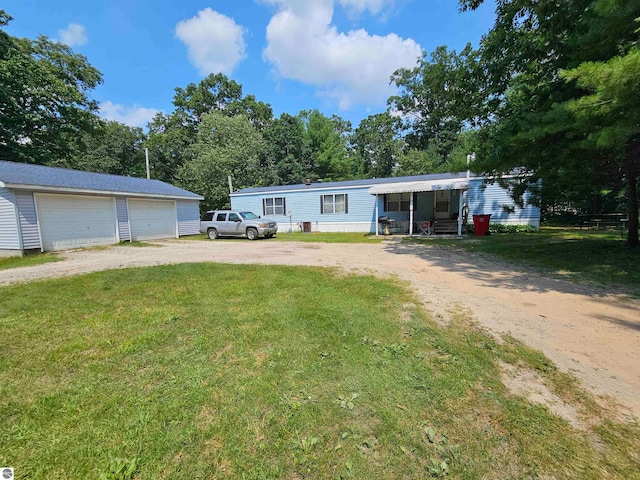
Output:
x=558 y=125
x=438 y=98
x=327 y=139
x=112 y=148
x=44 y=101
x=225 y=146
x=287 y=153
x=377 y=142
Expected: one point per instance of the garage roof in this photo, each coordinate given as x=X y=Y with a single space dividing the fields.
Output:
x=422 y=186
x=39 y=177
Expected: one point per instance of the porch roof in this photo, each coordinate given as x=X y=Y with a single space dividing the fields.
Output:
x=421 y=186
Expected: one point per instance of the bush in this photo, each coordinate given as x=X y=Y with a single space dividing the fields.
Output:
x=501 y=228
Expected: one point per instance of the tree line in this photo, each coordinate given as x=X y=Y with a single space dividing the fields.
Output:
x=552 y=93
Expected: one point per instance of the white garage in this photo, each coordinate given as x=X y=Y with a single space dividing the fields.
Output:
x=74 y=221
x=47 y=208
x=152 y=219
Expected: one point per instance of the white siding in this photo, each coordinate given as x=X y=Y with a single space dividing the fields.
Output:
x=9 y=234
x=123 y=219
x=28 y=220
x=188 y=217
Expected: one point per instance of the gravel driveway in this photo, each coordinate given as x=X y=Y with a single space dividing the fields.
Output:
x=588 y=331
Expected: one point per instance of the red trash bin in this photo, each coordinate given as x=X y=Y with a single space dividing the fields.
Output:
x=481 y=224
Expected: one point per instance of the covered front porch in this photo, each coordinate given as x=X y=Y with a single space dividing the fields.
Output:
x=421 y=208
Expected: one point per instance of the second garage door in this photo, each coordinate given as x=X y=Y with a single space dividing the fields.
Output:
x=152 y=219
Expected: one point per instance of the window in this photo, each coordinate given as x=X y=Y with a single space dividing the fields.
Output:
x=397 y=202
x=273 y=206
x=233 y=217
x=334 y=203
x=221 y=217
x=207 y=217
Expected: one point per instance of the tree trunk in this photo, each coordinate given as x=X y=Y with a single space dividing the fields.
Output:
x=632 y=194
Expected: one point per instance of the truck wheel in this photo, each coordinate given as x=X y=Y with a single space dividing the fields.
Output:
x=252 y=234
x=212 y=233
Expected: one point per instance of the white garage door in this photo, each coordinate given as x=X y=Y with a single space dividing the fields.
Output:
x=72 y=221
x=150 y=219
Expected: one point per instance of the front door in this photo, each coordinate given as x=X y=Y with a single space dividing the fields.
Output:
x=442 y=204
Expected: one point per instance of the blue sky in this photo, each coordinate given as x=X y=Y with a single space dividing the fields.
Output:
x=333 y=55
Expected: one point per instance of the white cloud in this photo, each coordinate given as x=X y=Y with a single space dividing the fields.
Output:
x=134 y=116
x=351 y=68
x=215 y=42
x=74 y=35
x=373 y=6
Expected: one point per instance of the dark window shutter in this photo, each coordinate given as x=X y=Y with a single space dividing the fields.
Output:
x=264 y=206
x=321 y=204
x=346 y=203
x=284 y=206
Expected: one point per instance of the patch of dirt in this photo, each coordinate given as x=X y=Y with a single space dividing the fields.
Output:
x=592 y=332
x=528 y=383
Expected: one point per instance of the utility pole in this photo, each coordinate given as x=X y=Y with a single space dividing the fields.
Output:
x=146 y=157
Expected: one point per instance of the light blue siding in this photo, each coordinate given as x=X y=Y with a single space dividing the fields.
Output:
x=188 y=217
x=28 y=220
x=9 y=233
x=122 y=213
x=304 y=206
x=495 y=200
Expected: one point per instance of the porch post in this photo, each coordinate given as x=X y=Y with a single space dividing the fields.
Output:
x=375 y=220
x=460 y=213
x=411 y=215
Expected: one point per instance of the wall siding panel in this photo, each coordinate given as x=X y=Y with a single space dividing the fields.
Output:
x=361 y=217
x=28 y=220
x=188 y=217
x=9 y=233
x=123 y=219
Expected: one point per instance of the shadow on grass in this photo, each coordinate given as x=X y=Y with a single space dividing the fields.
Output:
x=491 y=271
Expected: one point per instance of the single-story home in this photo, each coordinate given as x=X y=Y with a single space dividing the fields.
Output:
x=47 y=208
x=407 y=202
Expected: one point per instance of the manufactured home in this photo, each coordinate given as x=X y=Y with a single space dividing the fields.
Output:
x=406 y=203
x=47 y=208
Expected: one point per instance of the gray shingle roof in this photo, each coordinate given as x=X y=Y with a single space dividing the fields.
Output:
x=14 y=173
x=354 y=183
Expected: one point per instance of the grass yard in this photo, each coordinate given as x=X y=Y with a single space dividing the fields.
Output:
x=262 y=372
x=580 y=255
x=28 y=260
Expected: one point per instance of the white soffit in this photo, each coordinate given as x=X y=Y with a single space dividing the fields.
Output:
x=424 y=186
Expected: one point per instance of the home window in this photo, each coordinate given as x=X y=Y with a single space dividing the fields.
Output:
x=397 y=202
x=334 y=203
x=273 y=206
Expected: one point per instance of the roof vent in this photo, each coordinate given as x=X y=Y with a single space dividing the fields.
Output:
x=308 y=182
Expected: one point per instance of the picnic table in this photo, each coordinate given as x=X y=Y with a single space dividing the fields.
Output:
x=602 y=221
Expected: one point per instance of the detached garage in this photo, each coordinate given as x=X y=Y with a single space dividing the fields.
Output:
x=46 y=208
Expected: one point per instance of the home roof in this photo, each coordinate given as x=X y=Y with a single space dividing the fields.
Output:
x=368 y=182
x=39 y=177
x=421 y=186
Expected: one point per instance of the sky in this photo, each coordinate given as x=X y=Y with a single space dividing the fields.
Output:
x=332 y=55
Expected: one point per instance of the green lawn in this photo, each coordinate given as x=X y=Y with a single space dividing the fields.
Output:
x=242 y=371
x=27 y=261
x=580 y=255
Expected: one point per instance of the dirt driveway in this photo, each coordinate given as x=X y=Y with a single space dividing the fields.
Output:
x=589 y=331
